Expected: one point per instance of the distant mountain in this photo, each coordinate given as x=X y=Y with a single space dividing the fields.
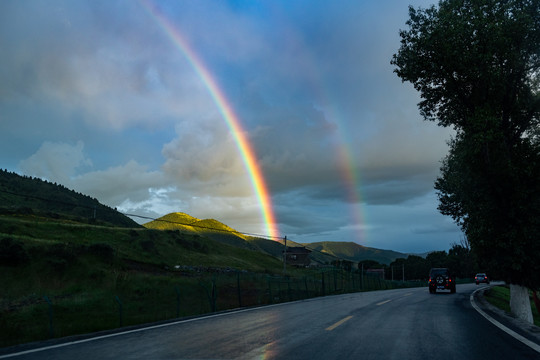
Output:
x=354 y=252
x=322 y=252
x=218 y=231
x=29 y=195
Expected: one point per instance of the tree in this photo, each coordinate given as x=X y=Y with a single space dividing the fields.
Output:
x=476 y=64
x=461 y=260
x=369 y=264
x=415 y=268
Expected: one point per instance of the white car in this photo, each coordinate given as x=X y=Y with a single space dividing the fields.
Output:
x=481 y=278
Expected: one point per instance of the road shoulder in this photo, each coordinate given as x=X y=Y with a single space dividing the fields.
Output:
x=519 y=329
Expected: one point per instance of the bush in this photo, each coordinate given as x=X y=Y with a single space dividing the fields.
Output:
x=60 y=256
x=103 y=251
x=148 y=246
x=12 y=253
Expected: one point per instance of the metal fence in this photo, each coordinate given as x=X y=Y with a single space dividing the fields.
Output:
x=42 y=316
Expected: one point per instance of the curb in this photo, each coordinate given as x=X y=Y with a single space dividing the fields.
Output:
x=525 y=327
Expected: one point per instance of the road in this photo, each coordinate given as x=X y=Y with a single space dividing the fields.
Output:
x=392 y=324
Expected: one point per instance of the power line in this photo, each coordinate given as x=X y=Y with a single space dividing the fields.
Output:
x=106 y=208
x=202 y=227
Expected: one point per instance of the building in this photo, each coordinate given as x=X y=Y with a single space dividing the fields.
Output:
x=375 y=272
x=298 y=256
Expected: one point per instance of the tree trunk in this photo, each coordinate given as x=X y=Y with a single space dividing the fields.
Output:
x=520 y=305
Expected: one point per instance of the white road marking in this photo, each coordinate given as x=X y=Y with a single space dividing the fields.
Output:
x=510 y=332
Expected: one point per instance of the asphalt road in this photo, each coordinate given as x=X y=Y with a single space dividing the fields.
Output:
x=392 y=324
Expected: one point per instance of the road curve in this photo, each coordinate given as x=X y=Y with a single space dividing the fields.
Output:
x=391 y=324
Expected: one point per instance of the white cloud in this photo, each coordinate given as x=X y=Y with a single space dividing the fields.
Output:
x=56 y=162
x=309 y=81
x=205 y=160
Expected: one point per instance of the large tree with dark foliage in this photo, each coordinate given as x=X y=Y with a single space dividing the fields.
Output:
x=476 y=64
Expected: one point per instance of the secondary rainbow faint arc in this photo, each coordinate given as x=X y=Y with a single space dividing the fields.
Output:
x=228 y=114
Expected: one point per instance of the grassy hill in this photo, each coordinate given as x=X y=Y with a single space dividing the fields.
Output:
x=220 y=232
x=37 y=215
x=322 y=252
x=31 y=196
x=27 y=195
x=57 y=257
x=210 y=228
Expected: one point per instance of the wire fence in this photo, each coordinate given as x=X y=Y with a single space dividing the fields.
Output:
x=39 y=317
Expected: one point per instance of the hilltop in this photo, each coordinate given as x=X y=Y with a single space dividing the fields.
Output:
x=64 y=250
x=322 y=252
x=23 y=195
x=34 y=196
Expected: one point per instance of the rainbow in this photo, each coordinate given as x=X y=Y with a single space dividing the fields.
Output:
x=351 y=179
x=228 y=114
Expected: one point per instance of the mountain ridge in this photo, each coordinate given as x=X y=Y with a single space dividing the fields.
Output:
x=24 y=194
x=322 y=252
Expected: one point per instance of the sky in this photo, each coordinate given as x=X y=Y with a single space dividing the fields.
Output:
x=154 y=107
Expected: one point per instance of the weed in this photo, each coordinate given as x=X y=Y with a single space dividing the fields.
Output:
x=499 y=296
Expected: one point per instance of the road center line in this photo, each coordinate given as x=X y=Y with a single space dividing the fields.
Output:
x=340 y=322
x=383 y=302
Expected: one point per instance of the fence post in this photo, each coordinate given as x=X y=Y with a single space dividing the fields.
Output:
x=269 y=289
x=362 y=278
x=177 y=290
x=51 y=328
x=289 y=293
x=214 y=294
x=322 y=285
x=239 y=289
x=120 y=317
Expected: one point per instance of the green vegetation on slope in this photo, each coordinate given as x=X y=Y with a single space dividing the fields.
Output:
x=82 y=268
x=23 y=194
x=209 y=228
x=65 y=272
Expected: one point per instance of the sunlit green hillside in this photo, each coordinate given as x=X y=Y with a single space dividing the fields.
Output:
x=209 y=228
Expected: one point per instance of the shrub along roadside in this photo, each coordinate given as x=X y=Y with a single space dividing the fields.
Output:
x=499 y=296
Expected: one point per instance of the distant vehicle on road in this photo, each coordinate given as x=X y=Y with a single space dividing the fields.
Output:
x=481 y=278
x=441 y=279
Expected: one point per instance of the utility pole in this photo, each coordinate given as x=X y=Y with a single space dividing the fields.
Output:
x=403 y=271
x=362 y=278
x=285 y=255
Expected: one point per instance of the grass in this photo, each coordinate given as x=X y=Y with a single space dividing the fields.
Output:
x=499 y=296
x=99 y=278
